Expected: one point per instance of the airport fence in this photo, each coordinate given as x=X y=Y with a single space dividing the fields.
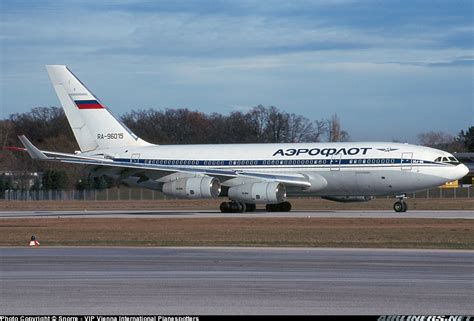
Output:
x=113 y=194
x=135 y=194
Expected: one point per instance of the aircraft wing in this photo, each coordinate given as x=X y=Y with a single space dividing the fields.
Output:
x=297 y=180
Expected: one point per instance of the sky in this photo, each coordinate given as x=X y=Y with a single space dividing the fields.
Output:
x=389 y=69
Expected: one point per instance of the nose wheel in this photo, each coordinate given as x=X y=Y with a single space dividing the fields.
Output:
x=400 y=206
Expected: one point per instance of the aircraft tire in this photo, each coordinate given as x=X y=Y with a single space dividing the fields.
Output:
x=225 y=207
x=251 y=207
x=399 y=207
x=405 y=207
x=280 y=207
x=284 y=207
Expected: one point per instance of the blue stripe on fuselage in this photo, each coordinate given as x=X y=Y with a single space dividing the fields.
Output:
x=284 y=162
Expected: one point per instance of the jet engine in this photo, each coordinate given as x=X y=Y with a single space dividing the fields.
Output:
x=258 y=193
x=195 y=187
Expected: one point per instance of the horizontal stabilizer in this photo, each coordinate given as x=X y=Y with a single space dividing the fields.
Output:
x=34 y=152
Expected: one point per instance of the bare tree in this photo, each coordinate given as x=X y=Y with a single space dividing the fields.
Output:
x=301 y=129
x=5 y=130
x=276 y=127
x=319 y=129
x=259 y=125
x=6 y=161
x=257 y=117
x=48 y=128
x=435 y=139
x=41 y=123
x=444 y=141
x=335 y=132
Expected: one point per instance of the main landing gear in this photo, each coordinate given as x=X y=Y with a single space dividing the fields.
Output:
x=400 y=206
x=240 y=207
x=280 y=207
x=237 y=207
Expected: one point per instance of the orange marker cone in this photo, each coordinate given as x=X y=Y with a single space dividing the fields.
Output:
x=34 y=242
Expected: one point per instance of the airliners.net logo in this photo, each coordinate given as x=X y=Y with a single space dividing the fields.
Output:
x=425 y=318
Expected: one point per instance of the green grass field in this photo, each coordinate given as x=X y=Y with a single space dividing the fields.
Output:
x=278 y=232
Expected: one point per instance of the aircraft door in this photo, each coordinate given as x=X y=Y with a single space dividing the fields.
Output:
x=336 y=162
x=406 y=161
x=135 y=158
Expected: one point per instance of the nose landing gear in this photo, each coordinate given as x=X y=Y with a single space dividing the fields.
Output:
x=400 y=206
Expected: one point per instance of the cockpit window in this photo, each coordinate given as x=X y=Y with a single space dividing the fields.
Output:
x=453 y=160
x=447 y=160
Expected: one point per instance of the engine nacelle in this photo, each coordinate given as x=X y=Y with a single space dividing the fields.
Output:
x=258 y=193
x=348 y=199
x=195 y=187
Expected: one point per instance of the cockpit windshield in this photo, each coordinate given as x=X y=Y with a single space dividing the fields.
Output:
x=447 y=160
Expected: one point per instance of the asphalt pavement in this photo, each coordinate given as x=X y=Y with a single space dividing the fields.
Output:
x=206 y=214
x=235 y=281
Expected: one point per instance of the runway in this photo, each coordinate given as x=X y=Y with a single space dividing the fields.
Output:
x=235 y=281
x=207 y=214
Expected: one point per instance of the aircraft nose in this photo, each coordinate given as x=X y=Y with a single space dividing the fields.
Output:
x=461 y=171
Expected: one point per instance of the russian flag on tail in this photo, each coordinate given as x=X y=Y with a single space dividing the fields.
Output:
x=88 y=104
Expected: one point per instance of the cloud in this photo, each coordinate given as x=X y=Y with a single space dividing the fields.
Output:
x=340 y=55
x=460 y=62
x=208 y=29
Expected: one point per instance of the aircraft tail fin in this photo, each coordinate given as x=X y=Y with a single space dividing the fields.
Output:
x=93 y=124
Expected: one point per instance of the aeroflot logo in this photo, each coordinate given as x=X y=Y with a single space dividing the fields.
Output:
x=324 y=151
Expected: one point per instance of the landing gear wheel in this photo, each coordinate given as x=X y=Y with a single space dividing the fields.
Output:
x=242 y=207
x=232 y=207
x=400 y=206
x=225 y=207
x=280 y=207
x=251 y=207
x=285 y=206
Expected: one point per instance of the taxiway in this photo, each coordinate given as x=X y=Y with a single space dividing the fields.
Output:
x=235 y=281
x=207 y=214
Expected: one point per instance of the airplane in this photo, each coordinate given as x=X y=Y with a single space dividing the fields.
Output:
x=247 y=174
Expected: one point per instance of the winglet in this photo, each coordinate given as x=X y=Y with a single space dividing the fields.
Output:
x=34 y=152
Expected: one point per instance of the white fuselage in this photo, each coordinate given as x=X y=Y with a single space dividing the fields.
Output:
x=253 y=173
x=363 y=168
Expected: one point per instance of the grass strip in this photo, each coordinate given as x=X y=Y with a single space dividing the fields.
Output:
x=274 y=232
